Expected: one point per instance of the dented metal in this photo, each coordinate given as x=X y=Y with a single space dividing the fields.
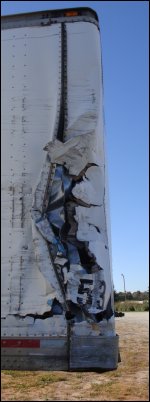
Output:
x=57 y=249
x=78 y=188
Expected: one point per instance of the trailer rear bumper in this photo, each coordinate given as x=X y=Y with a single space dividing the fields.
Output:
x=34 y=354
x=94 y=352
x=81 y=353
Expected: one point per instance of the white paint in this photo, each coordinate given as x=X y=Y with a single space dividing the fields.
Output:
x=85 y=328
x=93 y=216
x=30 y=108
x=15 y=326
x=84 y=77
x=74 y=154
x=38 y=71
x=91 y=189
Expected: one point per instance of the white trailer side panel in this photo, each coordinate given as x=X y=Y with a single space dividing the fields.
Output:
x=31 y=64
x=56 y=260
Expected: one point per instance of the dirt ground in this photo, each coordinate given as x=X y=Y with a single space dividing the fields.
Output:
x=128 y=383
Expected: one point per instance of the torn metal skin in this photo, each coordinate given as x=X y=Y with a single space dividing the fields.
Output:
x=68 y=217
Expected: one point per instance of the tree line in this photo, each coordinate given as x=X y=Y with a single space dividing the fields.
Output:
x=135 y=296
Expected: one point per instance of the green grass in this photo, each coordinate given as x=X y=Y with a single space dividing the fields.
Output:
x=46 y=379
x=130 y=305
x=26 y=380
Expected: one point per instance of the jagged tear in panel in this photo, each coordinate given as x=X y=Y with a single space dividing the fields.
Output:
x=74 y=230
x=71 y=215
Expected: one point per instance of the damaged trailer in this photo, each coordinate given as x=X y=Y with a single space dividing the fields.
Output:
x=57 y=287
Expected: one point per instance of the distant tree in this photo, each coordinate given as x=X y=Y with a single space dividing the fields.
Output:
x=138 y=295
x=145 y=295
x=121 y=296
x=116 y=298
x=129 y=296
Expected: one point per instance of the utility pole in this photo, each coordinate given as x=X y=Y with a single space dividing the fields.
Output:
x=124 y=287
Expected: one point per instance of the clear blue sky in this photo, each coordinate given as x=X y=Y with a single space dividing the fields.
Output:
x=124 y=34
